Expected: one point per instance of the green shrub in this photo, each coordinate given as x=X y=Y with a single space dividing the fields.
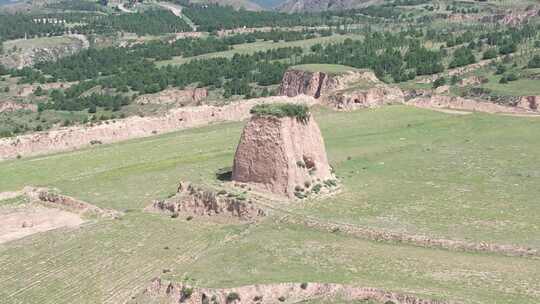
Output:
x=186 y=292
x=534 y=63
x=439 y=82
x=490 y=54
x=303 y=285
x=232 y=296
x=316 y=189
x=330 y=183
x=300 y=111
x=299 y=195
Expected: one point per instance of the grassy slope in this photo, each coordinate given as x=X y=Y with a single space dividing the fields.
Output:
x=45 y=42
x=404 y=169
x=326 y=68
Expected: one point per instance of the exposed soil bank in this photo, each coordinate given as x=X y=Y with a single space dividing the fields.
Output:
x=196 y=201
x=416 y=240
x=168 y=292
x=345 y=91
x=53 y=199
x=459 y=103
x=71 y=138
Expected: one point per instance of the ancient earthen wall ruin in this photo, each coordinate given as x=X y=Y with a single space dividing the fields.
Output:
x=197 y=201
x=459 y=103
x=281 y=155
x=70 y=138
x=169 y=292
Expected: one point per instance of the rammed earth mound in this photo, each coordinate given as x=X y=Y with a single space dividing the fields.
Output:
x=282 y=151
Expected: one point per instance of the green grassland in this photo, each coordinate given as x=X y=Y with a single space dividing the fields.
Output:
x=520 y=87
x=470 y=177
x=325 y=68
x=44 y=42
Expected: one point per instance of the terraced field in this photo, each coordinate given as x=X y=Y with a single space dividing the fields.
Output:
x=462 y=177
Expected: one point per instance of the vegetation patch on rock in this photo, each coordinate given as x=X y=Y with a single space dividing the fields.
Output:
x=280 y=110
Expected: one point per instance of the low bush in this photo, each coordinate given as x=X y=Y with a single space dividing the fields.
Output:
x=300 y=111
x=232 y=296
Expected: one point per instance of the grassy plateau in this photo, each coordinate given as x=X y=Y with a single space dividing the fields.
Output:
x=465 y=177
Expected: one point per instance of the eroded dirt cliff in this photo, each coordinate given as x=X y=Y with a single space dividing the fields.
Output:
x=75 y=137
x=344 y=91
x=170 y=292
x=197 y=201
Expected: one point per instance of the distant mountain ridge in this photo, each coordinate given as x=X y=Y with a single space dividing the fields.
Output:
x=237 y=4
x=268 y=4
x=323 y=5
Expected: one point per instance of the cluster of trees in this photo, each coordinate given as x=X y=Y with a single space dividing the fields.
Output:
x=112 y=69
x=273 y=35
x=59 y=101
x=508 y=39
x=387 y=11
x=93 y=63
x=381 y=53
x=149 y=22
x=214 y=17
x=14 y=26
x=466 y=37
x=534 y=63
x=90 y=63
x=76 y=5
x=462 y=57
x=409 y=2
x=463 y=10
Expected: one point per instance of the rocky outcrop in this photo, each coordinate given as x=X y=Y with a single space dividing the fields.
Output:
x=412 y=239
x=514 y=18
x=459 y=103
x=346 y=91
x=175 y=96
x=10 y=106
x=192 y=200
x=296 y=82
x=28 y=56
x=529 y=103
x=170 y=292
x=284 y=156
x=472 y=81
x=70 y=138
x=374 y=97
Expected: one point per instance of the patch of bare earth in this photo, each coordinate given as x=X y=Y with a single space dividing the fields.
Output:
x=24 y=220
x=46 y=210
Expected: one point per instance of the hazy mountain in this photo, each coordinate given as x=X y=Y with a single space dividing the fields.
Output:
x=322 y=5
